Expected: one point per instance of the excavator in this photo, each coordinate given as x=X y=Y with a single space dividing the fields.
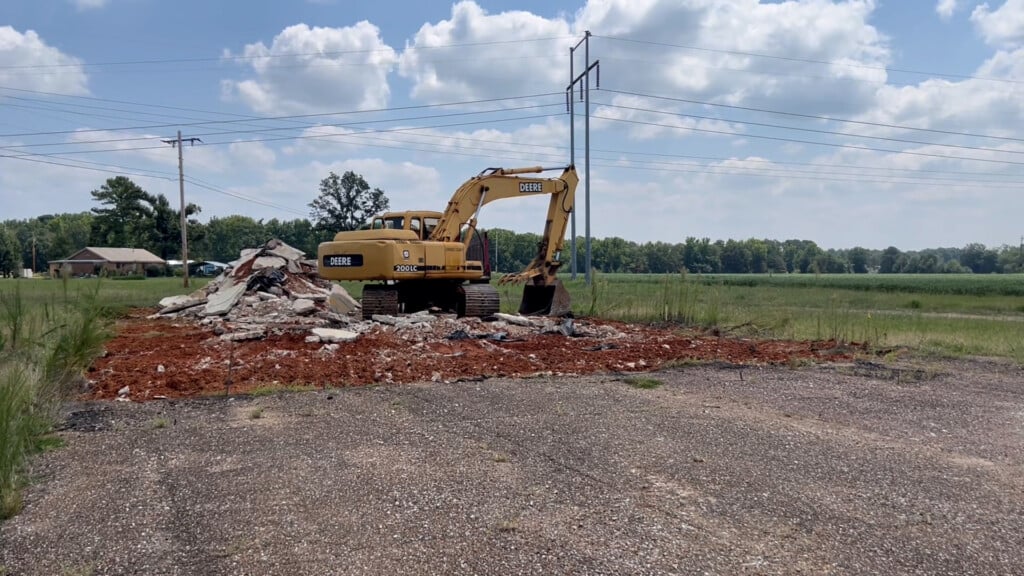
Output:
x=423 y=259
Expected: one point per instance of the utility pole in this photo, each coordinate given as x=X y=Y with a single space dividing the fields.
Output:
x=33 y=253
x=181 y=188
x=570 y=101
x=585 y=96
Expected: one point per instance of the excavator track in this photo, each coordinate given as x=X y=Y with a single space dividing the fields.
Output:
x=480 y=300
x=379 y=300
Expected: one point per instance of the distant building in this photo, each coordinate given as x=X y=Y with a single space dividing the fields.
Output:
x=112 y=261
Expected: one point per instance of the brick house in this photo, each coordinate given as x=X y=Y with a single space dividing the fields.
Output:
x=112 y=261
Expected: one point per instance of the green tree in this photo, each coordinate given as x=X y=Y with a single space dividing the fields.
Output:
x=164 y=230
x=10 y=253
x=125 y=216
x=890 y=260
x=858 y=260
x=736 y=258
x=979 y=259
x=345 y=202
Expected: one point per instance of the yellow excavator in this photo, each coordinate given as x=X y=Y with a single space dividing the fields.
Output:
x=425 y=259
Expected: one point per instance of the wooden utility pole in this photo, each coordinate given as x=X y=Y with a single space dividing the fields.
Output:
x=181 y=187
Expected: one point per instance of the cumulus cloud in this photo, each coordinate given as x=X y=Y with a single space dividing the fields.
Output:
x=725 y=69
x=28 y=63
x=980 y=105
x=945 y=8
x=1003 y=26
x=316 y=70
x=522 y=60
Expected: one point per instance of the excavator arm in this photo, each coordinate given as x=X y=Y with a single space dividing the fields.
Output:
x=543 y=292
x=458 y=223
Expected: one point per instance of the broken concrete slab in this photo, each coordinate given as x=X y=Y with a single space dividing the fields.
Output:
x=283 y=250
x=315 y=297
x=268 y=262
x=303 y=306
x=255 y=334
x=182 y=305
x=384 y=319
x=334 y=335
x=266 y=296
x=223 y=300
x=514 y=319
x=340 y=301
x=173 y=300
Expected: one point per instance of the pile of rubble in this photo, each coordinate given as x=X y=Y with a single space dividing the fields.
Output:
x=274 y=288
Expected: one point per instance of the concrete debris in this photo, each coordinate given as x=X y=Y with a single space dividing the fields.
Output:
x=124 y=391
x=254 y=334
x=274 y=289
x=340 y=302
x=268 y=262
x=223 y=300
x=384 y=319
x=174 y=300
x=514 y=319
x=332 y=335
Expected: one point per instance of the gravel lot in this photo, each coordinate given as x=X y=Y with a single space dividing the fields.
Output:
x=835 y=469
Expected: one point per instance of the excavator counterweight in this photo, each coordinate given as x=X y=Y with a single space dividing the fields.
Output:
x=425 y=259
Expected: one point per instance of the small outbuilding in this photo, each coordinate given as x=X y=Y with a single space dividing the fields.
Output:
x=110 y=261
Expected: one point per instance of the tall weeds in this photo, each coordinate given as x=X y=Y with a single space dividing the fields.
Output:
x=44 y=348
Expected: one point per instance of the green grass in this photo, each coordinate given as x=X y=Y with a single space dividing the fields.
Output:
x=50 y=332
x=944 y=314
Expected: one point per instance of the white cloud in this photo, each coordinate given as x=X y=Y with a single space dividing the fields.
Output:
x=980 y=105
x=28 y=63
x=945 y=8
x=89 y=4
x=1003 y=26
x=517 y=63
x=316 y=70
x=726 y=70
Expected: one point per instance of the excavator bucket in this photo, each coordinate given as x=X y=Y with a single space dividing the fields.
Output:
x=553 y=300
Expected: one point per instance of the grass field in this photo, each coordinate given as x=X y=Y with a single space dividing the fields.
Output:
x=949 y=315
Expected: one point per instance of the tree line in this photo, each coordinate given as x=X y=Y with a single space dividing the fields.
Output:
x=127 y=216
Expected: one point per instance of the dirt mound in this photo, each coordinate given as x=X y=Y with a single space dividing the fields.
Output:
x=160 y=357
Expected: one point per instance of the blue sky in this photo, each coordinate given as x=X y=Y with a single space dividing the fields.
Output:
x=868 y=123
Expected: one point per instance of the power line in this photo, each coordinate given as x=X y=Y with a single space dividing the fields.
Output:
x=321 y=53
x=811 y=142
x=278 y=128
x=310 y=115
x=806 y=60
x=814 y=116
x=309 y=136
x=813 y=130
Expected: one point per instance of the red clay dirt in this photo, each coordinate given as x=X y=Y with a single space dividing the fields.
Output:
x=174 y=358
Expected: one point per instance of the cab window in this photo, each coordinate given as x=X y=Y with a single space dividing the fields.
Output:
x=428 y=226
x=396 y=223
x=414 y=225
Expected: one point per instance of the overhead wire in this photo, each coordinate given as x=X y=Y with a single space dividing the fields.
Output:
x=804 y=60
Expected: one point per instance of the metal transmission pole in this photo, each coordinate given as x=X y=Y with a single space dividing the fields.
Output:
x=585 y=96
x=181 y=188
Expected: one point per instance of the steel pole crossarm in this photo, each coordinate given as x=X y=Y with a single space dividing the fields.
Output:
x=581 y=75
